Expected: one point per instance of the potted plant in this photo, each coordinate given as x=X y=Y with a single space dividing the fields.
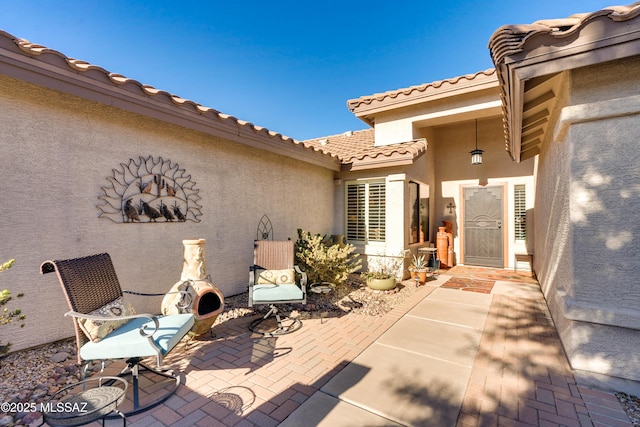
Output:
x=382 y=274
x=419 y=268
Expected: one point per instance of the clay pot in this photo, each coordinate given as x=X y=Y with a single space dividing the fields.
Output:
x=382 y=284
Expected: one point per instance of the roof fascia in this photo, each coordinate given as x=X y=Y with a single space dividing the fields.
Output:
x=431 y=93
x=54 y=71
x=381 y=161
x=551 y=55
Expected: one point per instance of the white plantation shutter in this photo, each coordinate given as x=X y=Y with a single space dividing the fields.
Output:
x=376 y=212
x=366 y=211
x=520 y=212
x=356 y=212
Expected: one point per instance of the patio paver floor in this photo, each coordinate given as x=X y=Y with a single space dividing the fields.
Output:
x=510 y=370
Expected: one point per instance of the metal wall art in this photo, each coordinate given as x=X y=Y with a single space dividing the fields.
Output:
x=150 y=190
x=265 y=229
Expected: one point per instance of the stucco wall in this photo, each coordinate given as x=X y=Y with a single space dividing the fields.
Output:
x=587 y=221
x=453 y=170
x=406 y=123
x=57 y=153
x=397 y=180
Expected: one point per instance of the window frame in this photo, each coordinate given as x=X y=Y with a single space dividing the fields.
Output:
x=520 y=212
x=360 y=230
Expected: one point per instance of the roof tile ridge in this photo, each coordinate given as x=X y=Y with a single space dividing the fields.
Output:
x=118 y=79
x=339 y=135
x=368 y=99
x=32 y=48
x=390 y=150
x=320 y=149
x=510 y=39
x=624 y=13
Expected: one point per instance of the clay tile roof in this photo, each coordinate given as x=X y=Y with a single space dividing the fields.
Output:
x=232 y=125
x=418 y=90
x=510 y=39
x=510 y=44
x=358 y=146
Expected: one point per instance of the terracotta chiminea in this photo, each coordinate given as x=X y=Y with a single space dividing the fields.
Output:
x=207 y=300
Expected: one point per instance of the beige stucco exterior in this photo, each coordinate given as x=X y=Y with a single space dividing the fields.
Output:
x=454 y=172
x=58 y=151
x=444 y=114
x=397 y=181
x=563 y=100
x=589 y=226
x=570 y=96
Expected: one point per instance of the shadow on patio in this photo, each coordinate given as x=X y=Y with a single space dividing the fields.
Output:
x=518 y=375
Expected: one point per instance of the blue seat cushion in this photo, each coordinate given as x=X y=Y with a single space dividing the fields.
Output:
x=126 y=341
x=277 y=292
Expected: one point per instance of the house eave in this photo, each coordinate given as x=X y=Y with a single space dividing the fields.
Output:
x=368 y=106
x=381 y=161
x=51 y=69
x=546 y=49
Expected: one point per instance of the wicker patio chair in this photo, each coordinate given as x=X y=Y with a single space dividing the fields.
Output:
x=92 y=289
x=273 y=280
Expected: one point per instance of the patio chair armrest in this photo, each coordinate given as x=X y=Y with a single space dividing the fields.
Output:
x=303 y=280
x=143 y=328
x=252 y=275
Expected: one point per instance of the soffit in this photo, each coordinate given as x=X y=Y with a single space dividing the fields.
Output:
x=530 y=59
x=37 y=64
x=366 y=107
x=356 y=150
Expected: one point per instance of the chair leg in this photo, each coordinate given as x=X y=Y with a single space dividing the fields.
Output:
x=135 y=377
x=286 y=324
x=133 y=368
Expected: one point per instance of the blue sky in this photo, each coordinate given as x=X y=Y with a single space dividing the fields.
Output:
x=286 y=65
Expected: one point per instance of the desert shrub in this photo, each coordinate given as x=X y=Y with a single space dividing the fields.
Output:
x=324 y=262
x=7 y=316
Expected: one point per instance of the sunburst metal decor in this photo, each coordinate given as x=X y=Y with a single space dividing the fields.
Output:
x=149 y=188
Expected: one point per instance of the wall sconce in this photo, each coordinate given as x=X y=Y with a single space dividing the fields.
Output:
x=476 y=155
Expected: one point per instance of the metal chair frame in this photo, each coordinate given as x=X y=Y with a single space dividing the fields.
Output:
x=90 y=283
x=275 y=255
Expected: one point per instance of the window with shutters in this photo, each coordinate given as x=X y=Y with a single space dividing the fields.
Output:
x=520 y=212
x=366 y=211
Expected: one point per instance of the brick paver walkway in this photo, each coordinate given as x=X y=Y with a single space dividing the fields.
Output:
x=520 y=376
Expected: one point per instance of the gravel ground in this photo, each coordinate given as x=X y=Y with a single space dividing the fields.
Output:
x=631 y=405
x=32 y=376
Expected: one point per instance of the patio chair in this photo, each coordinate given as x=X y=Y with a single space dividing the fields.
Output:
x=107 y=328
x=273 y=280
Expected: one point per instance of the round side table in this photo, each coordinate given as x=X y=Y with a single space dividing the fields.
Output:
x=88 y=405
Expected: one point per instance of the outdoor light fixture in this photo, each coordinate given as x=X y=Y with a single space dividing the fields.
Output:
x=476 y=155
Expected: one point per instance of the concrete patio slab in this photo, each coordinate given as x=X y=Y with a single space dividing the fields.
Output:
x=471 y=316
x=352 y=370
x=453 y=343
x=323 y=410
x=401 y=385
x=461 y=297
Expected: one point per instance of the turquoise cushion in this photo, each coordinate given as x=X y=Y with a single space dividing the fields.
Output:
x=273 y=292
x=126 y=341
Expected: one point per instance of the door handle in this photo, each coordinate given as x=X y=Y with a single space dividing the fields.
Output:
x=499 y=224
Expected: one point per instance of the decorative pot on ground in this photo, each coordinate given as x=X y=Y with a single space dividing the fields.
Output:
x=420 y=273
x=419 y=269
x=381 y=284
x=442 y=244
x=207 y=300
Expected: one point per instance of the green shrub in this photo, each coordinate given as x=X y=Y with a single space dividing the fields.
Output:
x=383 y=267
x=323 y=262
x=7 y=316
